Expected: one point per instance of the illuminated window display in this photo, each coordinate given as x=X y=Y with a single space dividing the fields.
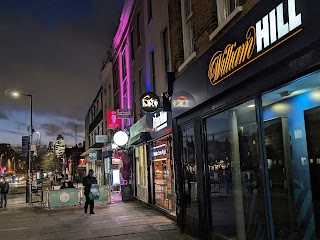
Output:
x=141 y=172
x=291 y=126
x=163 y=174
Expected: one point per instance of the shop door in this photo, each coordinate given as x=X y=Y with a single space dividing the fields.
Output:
x=312 y=123
x=189 y=169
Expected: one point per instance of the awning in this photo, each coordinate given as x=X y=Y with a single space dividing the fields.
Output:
x=140 y=138
x=106 y=154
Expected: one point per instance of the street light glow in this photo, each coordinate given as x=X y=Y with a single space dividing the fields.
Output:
x=15 y=94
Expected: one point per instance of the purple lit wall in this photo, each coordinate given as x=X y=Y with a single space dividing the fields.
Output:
x=121 y=46
x=123 y=23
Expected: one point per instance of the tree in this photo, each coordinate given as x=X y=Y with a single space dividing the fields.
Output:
x=50 y=162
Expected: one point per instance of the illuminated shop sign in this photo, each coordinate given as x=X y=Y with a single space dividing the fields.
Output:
x=159 y=152
x=259 y=39
x=93 y=156
x=112 y=121
x=160 y=121
x=149 y=102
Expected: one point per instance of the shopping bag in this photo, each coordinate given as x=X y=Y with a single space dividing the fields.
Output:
x=94 y=193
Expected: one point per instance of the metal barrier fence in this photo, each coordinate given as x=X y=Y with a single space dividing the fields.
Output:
x=72 y=197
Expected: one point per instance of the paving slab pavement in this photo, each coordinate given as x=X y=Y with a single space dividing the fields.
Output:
x=121 y=220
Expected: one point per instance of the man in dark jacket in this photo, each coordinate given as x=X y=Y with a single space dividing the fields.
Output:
x=87 y=182
x=4 y=190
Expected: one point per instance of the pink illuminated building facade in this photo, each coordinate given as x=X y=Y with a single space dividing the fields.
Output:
x=140 y=64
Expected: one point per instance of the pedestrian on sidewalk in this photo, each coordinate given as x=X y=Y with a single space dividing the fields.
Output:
x=4 y=190
x=87 y=182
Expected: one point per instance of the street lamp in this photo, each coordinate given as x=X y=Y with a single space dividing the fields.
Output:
x=31 y=130
x=39 y=139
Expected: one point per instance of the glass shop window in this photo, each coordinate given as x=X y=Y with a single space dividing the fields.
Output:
x=236 y=192
x=291 y=117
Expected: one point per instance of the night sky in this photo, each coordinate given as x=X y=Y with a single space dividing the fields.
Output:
x=52 y=49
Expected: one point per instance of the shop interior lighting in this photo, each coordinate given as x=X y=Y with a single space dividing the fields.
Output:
x=162 y=145
x=160 y=159
x=251 y=105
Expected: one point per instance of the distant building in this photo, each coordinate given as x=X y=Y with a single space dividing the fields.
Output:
x=25 y=145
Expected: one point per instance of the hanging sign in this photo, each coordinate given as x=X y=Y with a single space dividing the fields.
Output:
x=112 y=121
x=101 y=138
x=160 y=121
x=268 y=33
x=123 y=113
x=149 y=102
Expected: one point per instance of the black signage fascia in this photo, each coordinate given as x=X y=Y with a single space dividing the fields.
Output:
x=166 y=130
x=194 y=84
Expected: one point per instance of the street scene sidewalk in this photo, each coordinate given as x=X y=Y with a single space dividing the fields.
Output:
x=120 y=220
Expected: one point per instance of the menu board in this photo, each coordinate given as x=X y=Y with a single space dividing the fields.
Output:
x=126 y=192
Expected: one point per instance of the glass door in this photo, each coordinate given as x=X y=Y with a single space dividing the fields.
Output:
x=189 y=166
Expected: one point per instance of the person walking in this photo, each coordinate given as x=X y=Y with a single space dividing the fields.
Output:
x=87 y=182
x=4 y=190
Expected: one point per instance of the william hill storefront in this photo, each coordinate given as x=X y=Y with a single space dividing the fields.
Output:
x=246 y=120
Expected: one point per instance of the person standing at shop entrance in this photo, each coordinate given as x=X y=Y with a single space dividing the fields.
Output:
x=87 y=182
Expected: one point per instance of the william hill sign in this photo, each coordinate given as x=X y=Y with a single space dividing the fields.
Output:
x=268 y=33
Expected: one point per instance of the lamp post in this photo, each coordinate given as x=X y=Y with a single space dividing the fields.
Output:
x=39 y=139
x=30 y=129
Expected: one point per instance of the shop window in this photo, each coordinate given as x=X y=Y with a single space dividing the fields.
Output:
x=291 y=117
x=236 y=192
x=162 y=162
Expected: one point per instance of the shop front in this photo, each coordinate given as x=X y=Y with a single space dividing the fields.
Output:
x=94 y=161
x=139 y=136
x=245 y=120
x=162 y=164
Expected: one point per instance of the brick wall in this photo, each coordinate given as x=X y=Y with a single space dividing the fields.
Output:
x=205 y=21
x=176 y=38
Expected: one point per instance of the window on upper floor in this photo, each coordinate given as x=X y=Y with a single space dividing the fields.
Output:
x=134 y=94
x=187 y=28
x=138 y=30
x=165 y=39
x=224 y=8
x=124 y=65
x=125 y=86
x=116 y=78
x=141 y=85
x=109 y=96
x=152 y=71
x=149 y=10
x=132 y=45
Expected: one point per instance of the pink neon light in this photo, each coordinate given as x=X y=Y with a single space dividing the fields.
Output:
x=129 y=78
x=126 y=10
